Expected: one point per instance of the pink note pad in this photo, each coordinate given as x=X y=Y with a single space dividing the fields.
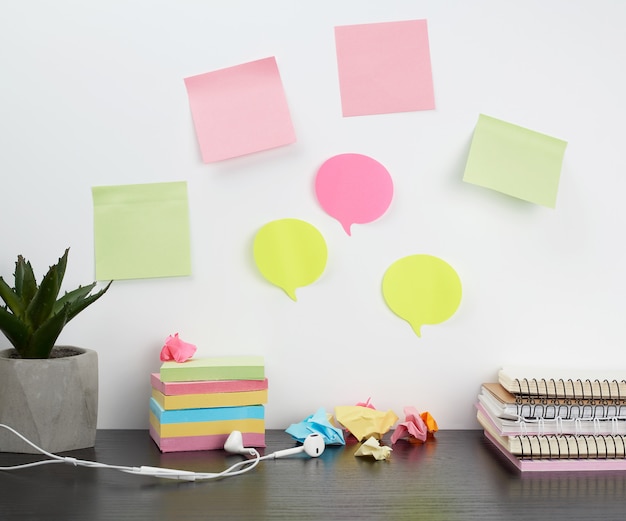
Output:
x=239 y=110
x=206 y=386
x=384 y=67
x=209 y=442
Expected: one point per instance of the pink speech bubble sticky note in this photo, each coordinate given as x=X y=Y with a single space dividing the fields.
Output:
x=354 y=189
x=239 y=110
x=384 y=67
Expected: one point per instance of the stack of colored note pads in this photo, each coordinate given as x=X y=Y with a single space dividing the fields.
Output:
x=196 y=404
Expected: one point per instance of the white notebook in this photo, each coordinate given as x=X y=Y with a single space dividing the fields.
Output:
x=581 y=384
x=503 y=404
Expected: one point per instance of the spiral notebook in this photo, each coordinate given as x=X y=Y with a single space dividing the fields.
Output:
x=563 y=383
x=554 y=452
x=502 y=404
x=558 y=465
x=531 y=426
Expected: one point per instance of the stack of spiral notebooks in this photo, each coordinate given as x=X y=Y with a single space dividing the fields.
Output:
x=556 y=420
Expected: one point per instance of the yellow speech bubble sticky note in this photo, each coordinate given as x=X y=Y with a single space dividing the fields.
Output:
x=422 y=289
x=290 y=253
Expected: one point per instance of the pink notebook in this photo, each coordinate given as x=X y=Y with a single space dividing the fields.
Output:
x=559 y=465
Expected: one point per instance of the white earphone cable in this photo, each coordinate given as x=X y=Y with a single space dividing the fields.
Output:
x=184 y=475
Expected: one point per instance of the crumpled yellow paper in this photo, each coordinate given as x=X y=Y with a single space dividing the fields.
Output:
x=372 y=447
x=364 y=422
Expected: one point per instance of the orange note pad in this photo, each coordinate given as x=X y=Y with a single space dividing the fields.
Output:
x=239 y=110
x=384 y=67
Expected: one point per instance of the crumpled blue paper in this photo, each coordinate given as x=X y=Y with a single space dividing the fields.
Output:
x=317 y=423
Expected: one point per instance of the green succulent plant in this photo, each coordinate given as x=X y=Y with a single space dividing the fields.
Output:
x=33 y=316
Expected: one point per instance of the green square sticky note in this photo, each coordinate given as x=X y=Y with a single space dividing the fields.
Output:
x=141 y=231
x=515 y=160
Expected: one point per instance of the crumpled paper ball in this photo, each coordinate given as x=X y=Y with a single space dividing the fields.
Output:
x=318 y=423
x=416 y=425
x=177 y=350
x=364 y=422
x=367 y=403
x=372 y=447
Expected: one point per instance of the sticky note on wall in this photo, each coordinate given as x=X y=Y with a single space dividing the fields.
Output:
x=353 y=188
x=239 y=110
x=422 y=289
x=141 y=231
x=384 y=67
x=515 y=161
x=290 y=254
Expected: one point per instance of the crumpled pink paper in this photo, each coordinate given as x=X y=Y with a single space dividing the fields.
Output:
x=367 y=404
x=416 y=426
x=372 y=447
x=177 y=350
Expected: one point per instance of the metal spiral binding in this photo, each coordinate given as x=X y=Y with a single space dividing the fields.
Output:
x=584 y=446
x=567 y=410
x=558 y=391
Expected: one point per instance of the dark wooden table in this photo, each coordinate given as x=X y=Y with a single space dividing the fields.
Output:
x=455 y=477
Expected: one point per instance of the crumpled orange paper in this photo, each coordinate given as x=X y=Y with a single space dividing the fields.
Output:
x=177 y=350
x=416 y=425
x=372 y=447
x=364 y=422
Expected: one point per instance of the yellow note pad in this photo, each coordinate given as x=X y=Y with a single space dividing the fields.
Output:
x=171 y=430
x=141 y=231
x=201 y=401
x=515 y=160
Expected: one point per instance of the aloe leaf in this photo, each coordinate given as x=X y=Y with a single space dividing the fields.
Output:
x=77 y=306
x=59 y=268
x=43 y=339
x=42 y=303
x=11 y=298
x=71 y=296
x=14 y=329
x=25 y=282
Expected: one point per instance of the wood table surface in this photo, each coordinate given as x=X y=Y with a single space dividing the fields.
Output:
x=456 y=476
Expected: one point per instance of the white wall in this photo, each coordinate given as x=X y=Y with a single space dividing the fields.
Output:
x=92 y=93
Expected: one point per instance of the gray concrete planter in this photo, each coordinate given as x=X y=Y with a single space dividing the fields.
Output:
x=53 y=402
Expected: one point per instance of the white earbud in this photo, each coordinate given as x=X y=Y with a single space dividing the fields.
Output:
x=313 y=446
x=234 y=444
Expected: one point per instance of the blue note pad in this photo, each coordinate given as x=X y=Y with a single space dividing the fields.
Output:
x=254 y=412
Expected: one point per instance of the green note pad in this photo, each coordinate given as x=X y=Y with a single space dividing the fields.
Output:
x=515 y=160
x=215 y=368
x=141 y=231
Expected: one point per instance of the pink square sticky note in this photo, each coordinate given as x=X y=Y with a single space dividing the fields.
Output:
x=384 y=67
x=239 y=110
